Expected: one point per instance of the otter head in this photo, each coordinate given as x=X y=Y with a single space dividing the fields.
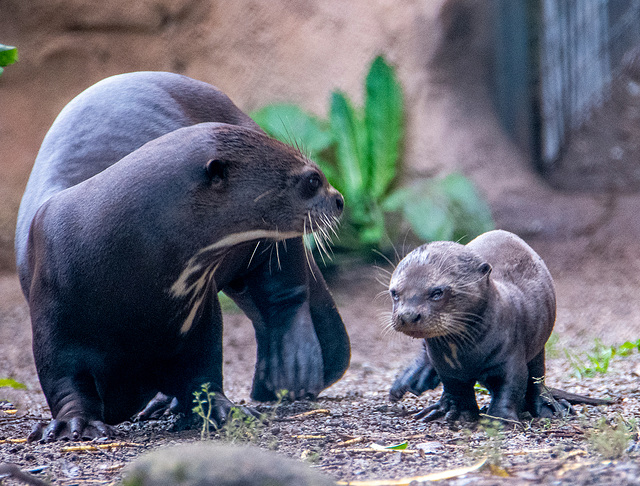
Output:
x=439 y=290
x=264 y=188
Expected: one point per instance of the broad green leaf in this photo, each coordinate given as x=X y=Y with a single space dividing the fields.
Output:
x=429 y=220
x=628 y=347
x=470 y=213
x=396 y=200
x=374 y=231
x=10 y=382
x=8 y=55
x=447 y=208
x=347 y=130
x=383 y=114
x=290 y=124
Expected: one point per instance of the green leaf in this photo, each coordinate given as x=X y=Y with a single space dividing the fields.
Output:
x=8 y=55
x=396 y=447
x=10 y=382
x=383 y=115
x=290 y=124
x=396 y=200
x=447 y=208
x=347 y=131
x=471 y=214
x=627 y=348
x=428 y=218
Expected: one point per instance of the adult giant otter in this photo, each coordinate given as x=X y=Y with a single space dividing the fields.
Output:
x=152 y=192
x=485 y=311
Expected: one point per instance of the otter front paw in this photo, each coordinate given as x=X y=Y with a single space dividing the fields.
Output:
x=221 y=408
x=416 y=378
x=289 y=359
x=159 y=406
x=74 y=428
x=452 y=408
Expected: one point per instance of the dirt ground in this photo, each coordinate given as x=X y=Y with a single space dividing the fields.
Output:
x=589 y=235
x=597 y=275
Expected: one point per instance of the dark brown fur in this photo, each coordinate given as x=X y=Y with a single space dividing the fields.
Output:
x=139 y=210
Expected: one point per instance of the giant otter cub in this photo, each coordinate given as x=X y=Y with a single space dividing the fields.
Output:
x=485 y=311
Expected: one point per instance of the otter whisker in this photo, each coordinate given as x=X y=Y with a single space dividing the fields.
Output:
x=307 y=252
x=382 y=293
x=270 y=257
x=385 y=319
x=332 y=225
x=278 y=255
x=383 y=283
x=380 y=269
x=322 y=250
x=378 y=252
x=317 y=240
x=462 y=292
x=253 y=254
x=472 y=282
x=328 y=244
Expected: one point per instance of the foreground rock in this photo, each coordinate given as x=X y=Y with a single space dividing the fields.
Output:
x=220 y=465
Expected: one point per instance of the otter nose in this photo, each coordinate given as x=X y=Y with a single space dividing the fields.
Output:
x=410 y=317
x=339 y=203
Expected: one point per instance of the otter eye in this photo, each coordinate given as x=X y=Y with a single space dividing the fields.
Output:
x=436 y=294
x=485 y=268
x=394 y=295
x=216 y=169
x=310 y=185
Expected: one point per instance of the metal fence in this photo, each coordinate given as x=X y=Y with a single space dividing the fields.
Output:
x=554 y=61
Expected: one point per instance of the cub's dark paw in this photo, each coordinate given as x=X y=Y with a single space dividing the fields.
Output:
x=548 y=407
x=451 y=409
x=416 y=378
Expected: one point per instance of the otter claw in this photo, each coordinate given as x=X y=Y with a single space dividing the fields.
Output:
x=429 y=414
x=75 y=428
x=159 y=405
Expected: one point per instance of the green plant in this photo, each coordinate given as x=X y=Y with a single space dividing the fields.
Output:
x=551 y=347
x=490 y=446
x=242 y=427
x=628 y=347
x=359 y=149
x=239 y=426
x=11 y=383
x=203 y=399
x=8 y=55
x=599 y=359
x=611 y=440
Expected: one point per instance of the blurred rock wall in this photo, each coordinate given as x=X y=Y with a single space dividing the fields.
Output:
x=257 y=52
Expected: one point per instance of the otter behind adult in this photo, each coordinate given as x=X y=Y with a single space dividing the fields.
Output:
x=485 y=311
x=137 y=212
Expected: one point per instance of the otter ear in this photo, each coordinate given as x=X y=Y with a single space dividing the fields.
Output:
x=485 y=268
x=216 y=169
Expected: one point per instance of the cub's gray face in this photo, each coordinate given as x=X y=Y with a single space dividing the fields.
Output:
x=439 y=290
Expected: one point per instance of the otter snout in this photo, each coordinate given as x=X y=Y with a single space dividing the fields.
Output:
x=410 y=321
x=326 y=208
x=339 y=202
x=409 y=317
